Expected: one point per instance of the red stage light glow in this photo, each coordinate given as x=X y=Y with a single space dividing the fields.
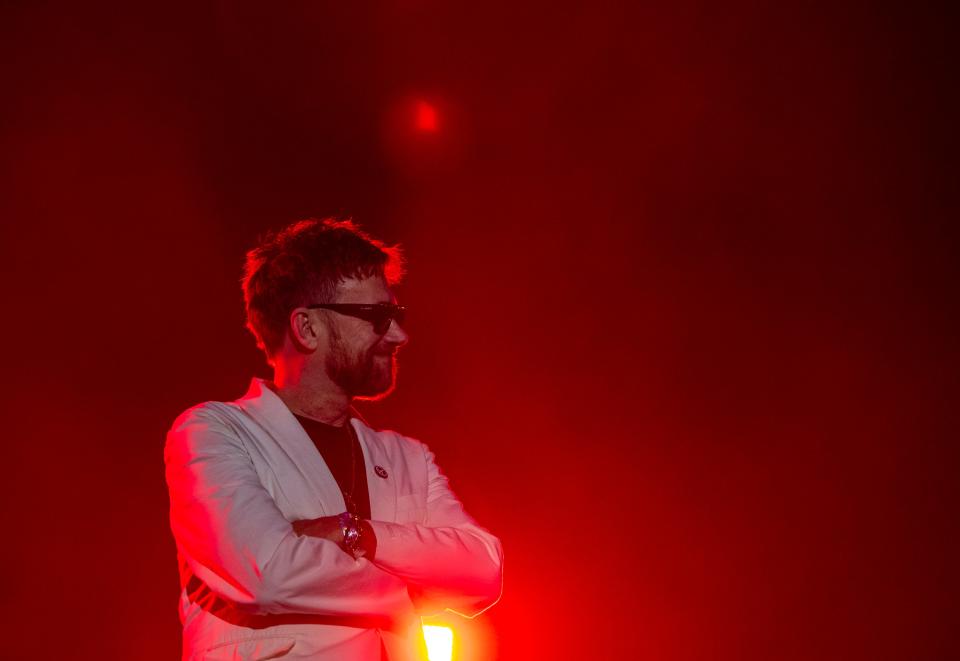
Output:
x=425 y=118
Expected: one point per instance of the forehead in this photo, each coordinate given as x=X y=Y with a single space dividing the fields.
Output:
x=365 y=290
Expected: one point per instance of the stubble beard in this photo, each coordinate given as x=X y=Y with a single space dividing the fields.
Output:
x=366 y=375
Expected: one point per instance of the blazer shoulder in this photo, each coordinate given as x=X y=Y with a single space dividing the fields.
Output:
x=206 y=413
x=206 y=425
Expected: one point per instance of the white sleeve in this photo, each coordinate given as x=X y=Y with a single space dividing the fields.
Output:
x=449 y=561
x=235 y=539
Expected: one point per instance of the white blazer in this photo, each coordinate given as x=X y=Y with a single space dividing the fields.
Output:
x=240 y=472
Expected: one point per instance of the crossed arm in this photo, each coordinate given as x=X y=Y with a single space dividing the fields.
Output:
x=235 y=539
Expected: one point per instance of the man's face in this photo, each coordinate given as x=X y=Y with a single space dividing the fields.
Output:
x=361 y=362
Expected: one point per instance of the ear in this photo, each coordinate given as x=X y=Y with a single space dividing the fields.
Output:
x=305 y=329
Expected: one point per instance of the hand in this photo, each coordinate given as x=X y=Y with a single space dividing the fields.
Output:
x=326 y=527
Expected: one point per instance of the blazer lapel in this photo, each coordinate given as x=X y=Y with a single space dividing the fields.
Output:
x=317 y=486
x=383 y=501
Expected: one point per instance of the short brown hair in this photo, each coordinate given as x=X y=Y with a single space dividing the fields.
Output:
x=304 y=263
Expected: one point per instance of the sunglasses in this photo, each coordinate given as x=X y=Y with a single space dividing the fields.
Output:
x=378 y=314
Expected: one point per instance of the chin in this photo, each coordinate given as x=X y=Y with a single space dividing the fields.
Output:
x=376 y=396
x=382 y=385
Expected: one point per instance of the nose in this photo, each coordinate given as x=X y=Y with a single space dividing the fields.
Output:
x=395 y=334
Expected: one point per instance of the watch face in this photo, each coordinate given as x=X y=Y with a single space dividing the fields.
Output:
x=351 y=535
x=349 y=527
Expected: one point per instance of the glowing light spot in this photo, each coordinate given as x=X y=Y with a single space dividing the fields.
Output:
x=439 y=642
x=425 y=117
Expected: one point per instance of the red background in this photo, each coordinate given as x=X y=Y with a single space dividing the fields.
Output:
x=681 y=289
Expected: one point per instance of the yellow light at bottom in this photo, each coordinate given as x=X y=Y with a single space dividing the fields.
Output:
x=439 y=642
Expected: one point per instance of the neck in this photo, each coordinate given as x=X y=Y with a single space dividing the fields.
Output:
x=311 y=396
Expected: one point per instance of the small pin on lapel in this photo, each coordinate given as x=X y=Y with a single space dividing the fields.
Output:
x=380 y=471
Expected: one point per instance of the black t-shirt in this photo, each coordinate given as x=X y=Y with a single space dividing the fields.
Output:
x=343 y=455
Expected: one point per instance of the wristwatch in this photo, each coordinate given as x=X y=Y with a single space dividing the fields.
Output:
x=351 y=530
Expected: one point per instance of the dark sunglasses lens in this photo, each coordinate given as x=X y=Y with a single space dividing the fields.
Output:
x=384 y=316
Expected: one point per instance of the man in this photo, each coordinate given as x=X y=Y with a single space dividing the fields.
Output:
x=302 y=532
